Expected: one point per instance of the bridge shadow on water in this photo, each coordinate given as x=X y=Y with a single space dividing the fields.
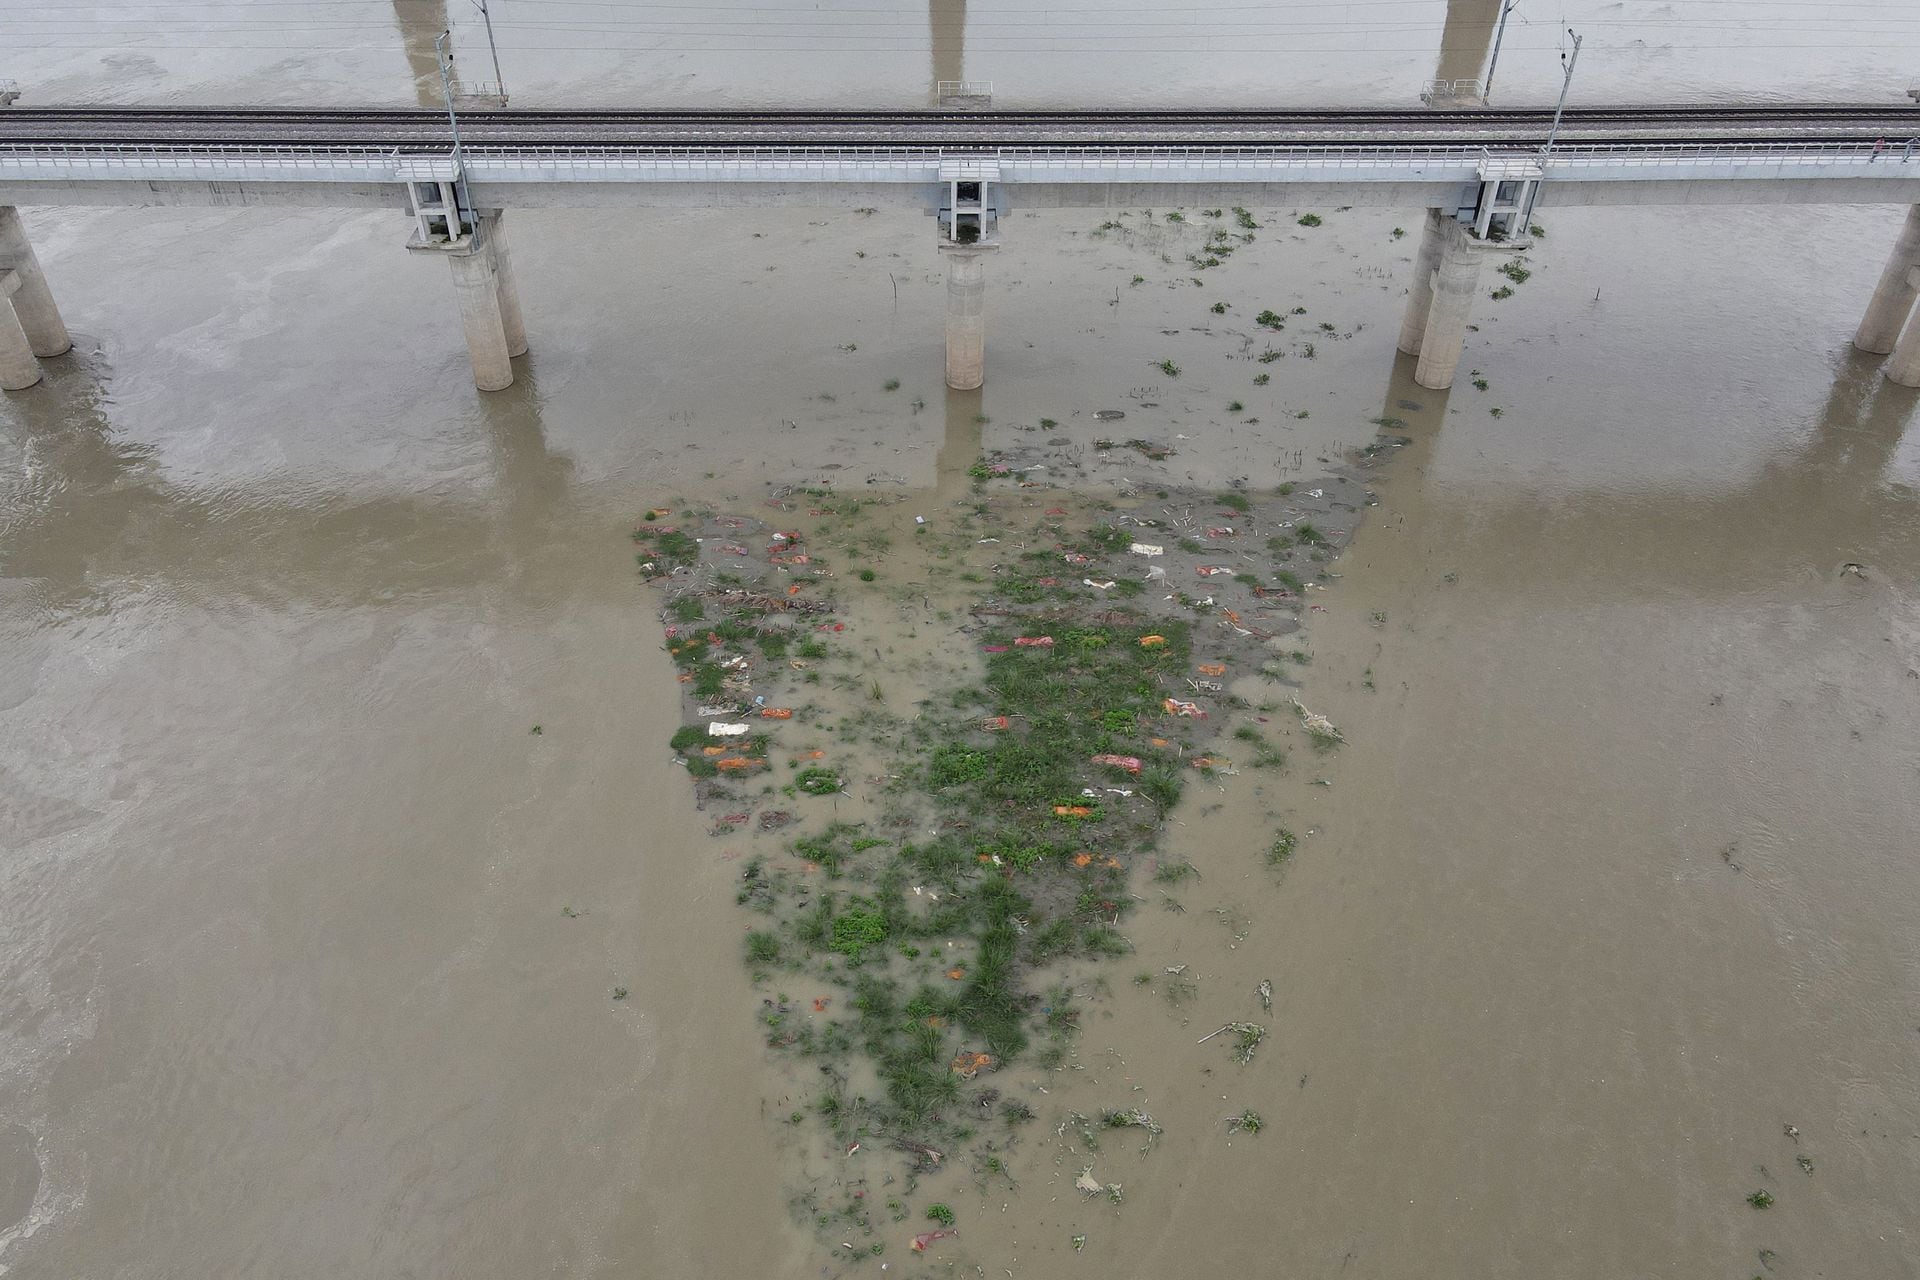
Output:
x=961 y=443
x=1832 y=499
x=95 y=513
x=947 y=32
x=419 y=22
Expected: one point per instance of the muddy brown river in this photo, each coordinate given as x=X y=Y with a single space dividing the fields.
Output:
x=1602 y=920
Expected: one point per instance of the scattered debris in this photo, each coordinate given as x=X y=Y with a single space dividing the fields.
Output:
x=1133 y=1118
x=1092 y=1186
x=1318 y=727
x=1247 y=1038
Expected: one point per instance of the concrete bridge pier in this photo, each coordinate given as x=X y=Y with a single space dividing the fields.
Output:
x=476 y=284
x=1903 y=366
x=483 y=285
x=18 y=369
x=966 y=315
x=32 y=301
x=1413 y=326
x=1452 y=285
x=1893 y=299
x=511 y=321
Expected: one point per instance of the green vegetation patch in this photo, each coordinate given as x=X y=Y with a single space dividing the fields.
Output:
x=930 y=919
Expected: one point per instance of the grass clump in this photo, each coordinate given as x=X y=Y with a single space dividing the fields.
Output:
x=817 y=781
x=663 y=550
x=1308 y=219
x=1133 y=1118
x=860 y=928
x=1247 y=1037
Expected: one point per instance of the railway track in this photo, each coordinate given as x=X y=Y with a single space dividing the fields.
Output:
x=808 y=129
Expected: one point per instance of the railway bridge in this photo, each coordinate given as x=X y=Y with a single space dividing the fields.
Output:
x=1480 y=174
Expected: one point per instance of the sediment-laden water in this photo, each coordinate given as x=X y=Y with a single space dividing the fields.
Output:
x=1600 y=923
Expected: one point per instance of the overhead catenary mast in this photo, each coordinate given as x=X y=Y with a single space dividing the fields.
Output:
x=499 y=80
x=1546 y=152
x=1499 y=33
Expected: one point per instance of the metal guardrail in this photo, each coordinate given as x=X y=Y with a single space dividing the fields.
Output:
x=111 y=153
x=267 y=162
x=1839 y=151
x=1446 y=90
x=963 y=88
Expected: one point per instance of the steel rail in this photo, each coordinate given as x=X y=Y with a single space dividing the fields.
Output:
x=1847 y=151
x=344 y=125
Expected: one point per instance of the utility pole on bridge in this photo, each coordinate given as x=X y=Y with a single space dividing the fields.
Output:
x=499 y=80
x=1546 y=152
x=1499 y=34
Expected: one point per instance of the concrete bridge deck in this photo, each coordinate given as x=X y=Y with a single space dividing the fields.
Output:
x=1699 y=125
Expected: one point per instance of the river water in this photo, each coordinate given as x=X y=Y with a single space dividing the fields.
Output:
x=309 y=943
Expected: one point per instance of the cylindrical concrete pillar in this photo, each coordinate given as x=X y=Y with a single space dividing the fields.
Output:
x=1454 y=282
x=18 y=369
x=1903 y=366
x=1420 y=295
x=477 y=286
x=1893 y=298
x=510 y=319
x=33 y=303
x=966 y=319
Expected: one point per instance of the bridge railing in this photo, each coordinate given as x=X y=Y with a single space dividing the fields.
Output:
x=1838 y=150
x=121 y=155
x=1449 y=90
x=499 y=162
